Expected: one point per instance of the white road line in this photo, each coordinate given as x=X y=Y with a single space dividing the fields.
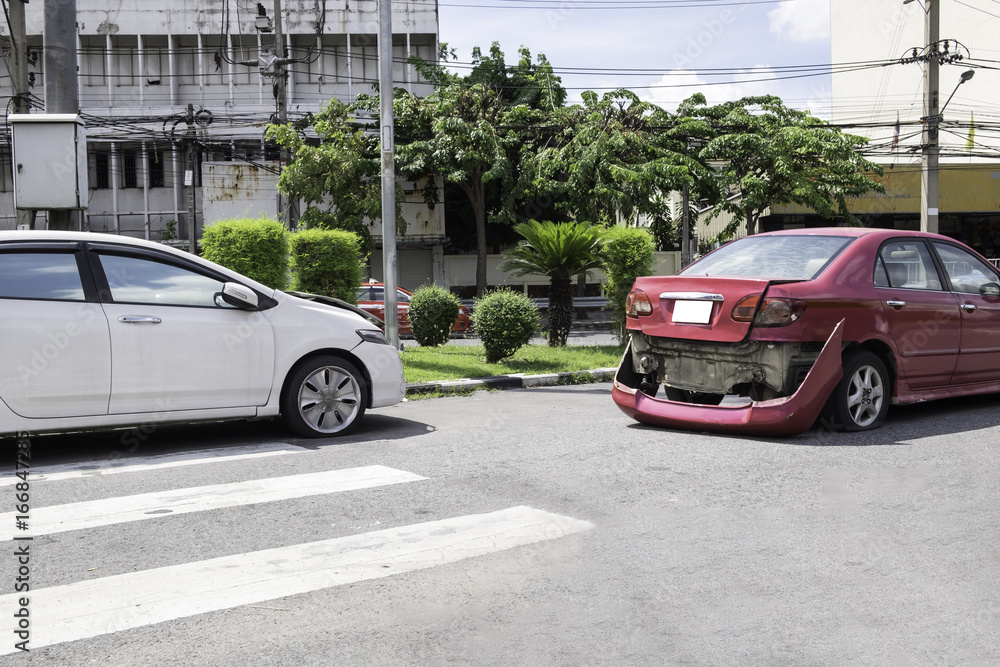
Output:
x=144 y=463
x=108 y=511
x=112 y=604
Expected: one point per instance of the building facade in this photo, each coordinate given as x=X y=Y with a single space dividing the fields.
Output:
x=142 y=64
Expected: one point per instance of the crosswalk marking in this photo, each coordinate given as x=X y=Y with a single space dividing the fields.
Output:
x=146 y=463
x=112 y=604
x=89 y=514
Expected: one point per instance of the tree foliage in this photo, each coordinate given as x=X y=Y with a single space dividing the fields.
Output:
x=337 y=173
x=770 y=154
x=559 y=251
x=612 y=160
x=472 y=132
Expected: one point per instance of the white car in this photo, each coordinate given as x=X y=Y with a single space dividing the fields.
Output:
x=101 y=331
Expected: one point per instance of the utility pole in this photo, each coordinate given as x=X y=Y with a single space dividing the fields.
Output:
x=281 y=103
x=388 y=170
x=685 y=226
x=189 y=182
x=932 y=120
x=61 y=86
x=19 y=80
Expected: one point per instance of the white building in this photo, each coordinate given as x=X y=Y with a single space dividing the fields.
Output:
x=141 y=64
x=868 y=99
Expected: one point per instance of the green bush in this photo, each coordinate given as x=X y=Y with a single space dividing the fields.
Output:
x=328 y=262
x=433 y=311
x=505 y=321
x=627 y=254
x=257 y=248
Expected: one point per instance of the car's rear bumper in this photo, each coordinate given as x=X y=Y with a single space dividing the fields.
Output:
x=789 y=415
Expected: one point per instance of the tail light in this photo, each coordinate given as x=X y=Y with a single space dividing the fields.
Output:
x=638 y=304
x=771 y=311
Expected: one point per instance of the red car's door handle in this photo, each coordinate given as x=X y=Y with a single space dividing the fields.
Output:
x=895 y=304
x=968 y=307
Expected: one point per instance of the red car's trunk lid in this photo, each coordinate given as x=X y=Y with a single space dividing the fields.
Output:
x=696 y=307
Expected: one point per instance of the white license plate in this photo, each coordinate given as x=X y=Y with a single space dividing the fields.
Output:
x=692 y=312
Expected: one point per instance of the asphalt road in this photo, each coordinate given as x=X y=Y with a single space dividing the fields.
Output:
x=668 y=548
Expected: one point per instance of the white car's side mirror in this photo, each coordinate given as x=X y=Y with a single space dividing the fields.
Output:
x=239 y=296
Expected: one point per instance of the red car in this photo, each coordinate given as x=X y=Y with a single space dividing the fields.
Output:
x=371 y=298
x=767 y=333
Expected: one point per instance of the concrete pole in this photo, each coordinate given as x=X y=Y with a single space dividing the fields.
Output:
x=61 y=86
x=388 y=169
x=19 y=80
x=931 y=149
x=281 y=103
x=685 y=226
x=192 y=166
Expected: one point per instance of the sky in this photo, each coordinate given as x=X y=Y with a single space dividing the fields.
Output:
x=663 y=50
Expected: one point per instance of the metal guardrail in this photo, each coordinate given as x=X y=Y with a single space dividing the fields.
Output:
x=579 y=303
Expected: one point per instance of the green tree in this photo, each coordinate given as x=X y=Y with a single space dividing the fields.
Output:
x=612 y=160
x=773 y=155
x=559 y=251
x=473 y=131
x=337 y=174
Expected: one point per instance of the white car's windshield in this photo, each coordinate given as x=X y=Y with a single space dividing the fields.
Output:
x=772 y=257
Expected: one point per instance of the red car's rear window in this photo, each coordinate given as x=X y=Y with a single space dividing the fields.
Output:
x=771 y=257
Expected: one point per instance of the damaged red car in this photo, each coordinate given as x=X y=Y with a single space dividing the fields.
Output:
x=770 y=332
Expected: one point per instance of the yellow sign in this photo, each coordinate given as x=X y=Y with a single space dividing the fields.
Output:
x=962 y=189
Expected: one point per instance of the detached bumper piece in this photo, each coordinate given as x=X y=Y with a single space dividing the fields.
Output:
x=789 y=415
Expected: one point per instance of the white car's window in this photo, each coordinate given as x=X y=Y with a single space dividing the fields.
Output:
x=772 y=257
x=40 y=275
x=137 y=280
x=965 y=271
x=908 y=265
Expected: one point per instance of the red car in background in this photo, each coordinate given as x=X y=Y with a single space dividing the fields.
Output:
x=767 y=333
x=371 y=298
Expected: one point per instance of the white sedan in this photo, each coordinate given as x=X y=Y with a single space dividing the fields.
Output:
x=102 y=331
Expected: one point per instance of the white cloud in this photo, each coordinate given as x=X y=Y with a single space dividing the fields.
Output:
x=801 y=20
x=758 y=80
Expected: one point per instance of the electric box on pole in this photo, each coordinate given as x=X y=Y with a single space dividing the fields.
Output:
x=50 y=161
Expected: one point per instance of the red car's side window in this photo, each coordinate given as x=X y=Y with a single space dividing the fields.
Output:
x=908 y=265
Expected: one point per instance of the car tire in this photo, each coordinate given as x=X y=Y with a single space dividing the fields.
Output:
x=860 y=400
x=324 y=397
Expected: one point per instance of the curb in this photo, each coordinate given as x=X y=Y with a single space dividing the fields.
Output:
x=512 y=381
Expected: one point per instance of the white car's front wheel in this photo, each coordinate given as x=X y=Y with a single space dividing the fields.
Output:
x=324 y=397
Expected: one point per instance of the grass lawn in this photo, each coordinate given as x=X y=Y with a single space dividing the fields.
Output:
x=453 y=362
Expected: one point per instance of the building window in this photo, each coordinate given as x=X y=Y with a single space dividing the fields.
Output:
x=102 y=168
x=155 y=165
x=130 y=175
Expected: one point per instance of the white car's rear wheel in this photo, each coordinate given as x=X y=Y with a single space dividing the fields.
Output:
x=324 y=397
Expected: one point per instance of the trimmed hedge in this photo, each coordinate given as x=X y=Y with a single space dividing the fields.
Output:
x=257 y=248
x=627 y=254
x=328 y=262
x=505 y=320
x=433 y=311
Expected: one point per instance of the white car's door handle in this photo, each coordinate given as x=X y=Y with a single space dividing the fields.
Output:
x=139 y=319
x=895 y=304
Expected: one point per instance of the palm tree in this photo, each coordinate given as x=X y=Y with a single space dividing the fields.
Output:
x=559 y=251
